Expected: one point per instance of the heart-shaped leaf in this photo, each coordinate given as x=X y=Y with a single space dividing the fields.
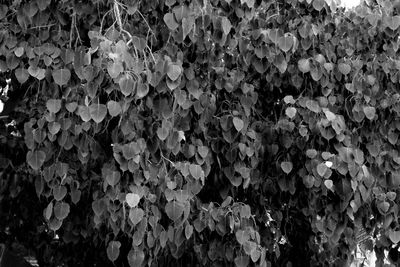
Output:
x=114 y=108
x=241 y=261
x=136 y=215
x=170 y=21
x=285 y=43
x=226 y=25
x=290 y=112
x=136 y=257
x=344 y=68
x=162 y=133
x=174 y=210
x=114 y=69
x=142 y=89
x=53 y=105
x=127 y=85
x=238 y=123
x=394 y=236
x=113 y=177
x=321 y=169
x=304 y=65
x=369 y=112
x=287 y=166
x=22 y=75
x=84 y=113
x=188 y=231
x=61 y=76
x=328 y=184
x=97 y=112
x=174 y=71
x=113 y=250
x=59 y=192
x=35 y=159
x=132 y=199
x=61 y=210
x=196 y=171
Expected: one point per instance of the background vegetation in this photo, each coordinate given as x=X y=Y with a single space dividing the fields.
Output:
x=206 y=132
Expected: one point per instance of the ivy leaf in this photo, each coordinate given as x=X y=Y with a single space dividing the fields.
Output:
x=135 y=257
x=313 y=106
x=97 y=112
x=187 y=25
x=196 y=171
x=22 y=75
x=170 y=21
x=132 y=199
x=174 y=210
x=238 y=123
x=344 y=68
x=369 y=112
x=114 y=69
x=136 y=215
x=61 y=76
x=394 y=236
x=35 y=159
x=53 y=105
x=127 y=85
x=304 y=65
x=188 y=231
x=113 y=178
x=287 y=166
x=241 y=261
x=162 y=133
x=174 y=71
x=113 y=250
x=321 y=169
x=114 y=108
x=48 y=211
x=61 y=210
x=142 y=89
x=59 y=192
x=291 y=112
x=226 y=25
x=285 y=43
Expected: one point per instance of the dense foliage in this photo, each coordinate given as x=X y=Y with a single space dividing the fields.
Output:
x=205 y=132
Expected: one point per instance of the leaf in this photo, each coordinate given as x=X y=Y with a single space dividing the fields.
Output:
x=84 y=113
x=136 y=215
x=188 y=231
x=54 y=127
x=142 y=89
x=313 y=106
x=132 y=199
x=49 y=211
x=321 y=169
x=203 y=151
x=127 y=85
x=285 y=43
x=61 y=76
x=311 y=153
x=162 y=133
x=328 y=184
x=114 y=69
x=369 y=112
x=318 y=4
x=98 y=112
x=113 y=178
x=187 y=25
x=329 y=115
x=113 y=250
x=384 y=207
x=281 y=63
x=170 y=21
x=238 y=123
x=71 y=107
x=291 y=112
x=226 y=25
x=59 y=192
x=53 y=105
x=287 y=166
x=394 y=236
x=174 y=210
x=344 y=68
x=241 y=261
x=114 y=108
x=61 y=210
x=304 y=65
x=196 y=171
x=22 y=75
x=174 y=71
x=136 y=257
x=35 y=159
